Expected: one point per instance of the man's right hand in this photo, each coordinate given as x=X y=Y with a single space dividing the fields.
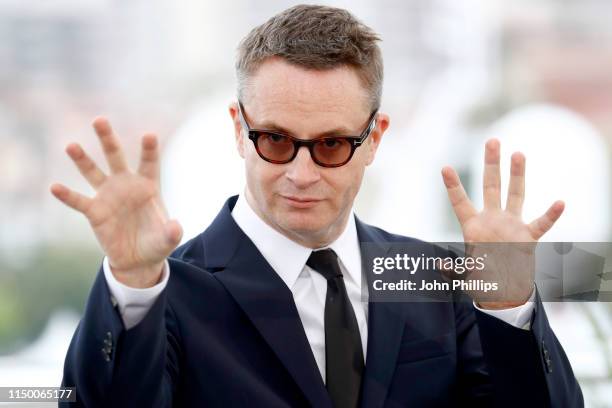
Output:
x=127 y=214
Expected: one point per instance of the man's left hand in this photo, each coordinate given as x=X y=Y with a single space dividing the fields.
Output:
x=512 y=266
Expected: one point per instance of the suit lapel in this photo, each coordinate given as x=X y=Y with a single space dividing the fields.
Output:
x=265 y=299
x=269 y=304
x=386 y=322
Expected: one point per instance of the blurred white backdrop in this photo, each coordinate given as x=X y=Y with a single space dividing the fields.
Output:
x=535 y=74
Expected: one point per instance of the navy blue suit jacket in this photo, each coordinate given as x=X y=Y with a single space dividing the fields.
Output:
x=226 y=333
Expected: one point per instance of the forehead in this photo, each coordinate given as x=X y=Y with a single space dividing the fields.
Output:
x=304 y=100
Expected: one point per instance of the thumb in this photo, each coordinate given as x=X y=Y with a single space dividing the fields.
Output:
x=446 y=271
x=173 y=232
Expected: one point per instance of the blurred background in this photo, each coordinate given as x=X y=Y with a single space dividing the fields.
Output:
x=536 y=74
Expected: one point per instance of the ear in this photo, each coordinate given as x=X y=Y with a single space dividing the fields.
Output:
x=233 y=111
x=382 y=123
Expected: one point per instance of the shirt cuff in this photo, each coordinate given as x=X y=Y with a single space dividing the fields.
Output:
x=133 y=303
x=519 y=316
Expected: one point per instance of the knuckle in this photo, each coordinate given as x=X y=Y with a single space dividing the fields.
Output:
x=88 y=166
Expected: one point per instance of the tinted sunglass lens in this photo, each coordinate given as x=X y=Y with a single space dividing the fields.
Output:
x=275 y=147
x=332 y=151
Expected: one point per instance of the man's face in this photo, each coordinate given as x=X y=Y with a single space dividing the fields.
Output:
x=302 y=200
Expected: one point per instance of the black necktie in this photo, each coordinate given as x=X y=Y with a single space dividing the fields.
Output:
x=343 y=352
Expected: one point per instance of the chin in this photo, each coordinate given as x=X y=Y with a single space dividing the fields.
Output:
x=304 y=222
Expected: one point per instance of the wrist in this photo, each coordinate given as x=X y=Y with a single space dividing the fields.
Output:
x=507 y=304
x=499 y=305
x=140 y=278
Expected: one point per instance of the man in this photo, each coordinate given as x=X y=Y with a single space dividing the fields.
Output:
x=246 y=313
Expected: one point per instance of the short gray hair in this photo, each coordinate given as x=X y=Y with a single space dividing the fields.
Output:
x=314 y=37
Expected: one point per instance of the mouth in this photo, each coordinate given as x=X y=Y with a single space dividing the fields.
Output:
x=301 y=202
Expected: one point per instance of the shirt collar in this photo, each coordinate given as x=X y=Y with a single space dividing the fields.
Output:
x=287 y=257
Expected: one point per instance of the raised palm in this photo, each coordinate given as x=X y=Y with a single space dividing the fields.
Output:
x=127 y=214
x=488 y=231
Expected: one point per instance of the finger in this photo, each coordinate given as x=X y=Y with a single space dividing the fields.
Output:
x=492 y=179
x=72 y=199
x=149 y=157
x=462 y=206
x=86 y=166
x=516 y=187
x=541 y=225
x=110 y=145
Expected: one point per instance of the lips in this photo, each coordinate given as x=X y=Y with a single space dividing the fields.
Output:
x=301 y=202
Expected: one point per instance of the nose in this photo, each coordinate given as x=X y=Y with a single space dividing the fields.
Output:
x=302 y=171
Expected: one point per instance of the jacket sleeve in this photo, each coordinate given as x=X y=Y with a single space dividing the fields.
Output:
x=111 y=366
x=526 y=368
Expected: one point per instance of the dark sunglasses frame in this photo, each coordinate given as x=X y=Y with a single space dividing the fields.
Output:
x=354 y=141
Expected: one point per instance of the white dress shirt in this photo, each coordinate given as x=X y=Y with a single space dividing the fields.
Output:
x=308 y=287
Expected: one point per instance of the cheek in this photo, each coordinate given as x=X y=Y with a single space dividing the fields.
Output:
x=261 y=176
x=345 y=184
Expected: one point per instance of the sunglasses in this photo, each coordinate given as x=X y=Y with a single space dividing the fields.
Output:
x=327 y=151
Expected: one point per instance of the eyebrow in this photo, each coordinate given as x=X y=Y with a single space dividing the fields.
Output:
x=339 y=131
